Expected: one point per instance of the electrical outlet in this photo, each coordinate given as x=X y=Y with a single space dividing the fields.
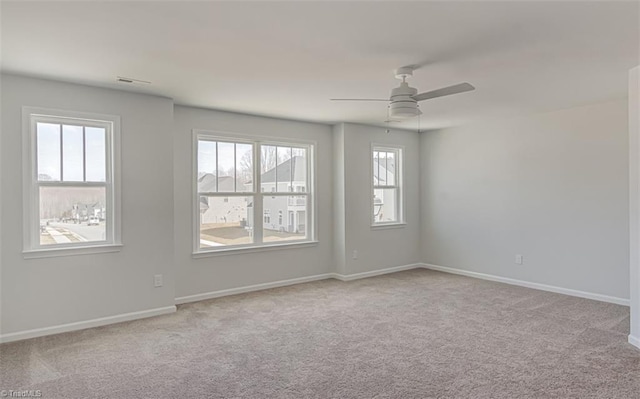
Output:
x=355 y=254
x=519 y=259
x=157 y=280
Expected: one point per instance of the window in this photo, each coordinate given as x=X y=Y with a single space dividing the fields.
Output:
x=70 y=181
x=257 y=179
x=387 y=187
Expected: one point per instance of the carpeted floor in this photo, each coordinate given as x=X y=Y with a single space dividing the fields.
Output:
x=414 y=334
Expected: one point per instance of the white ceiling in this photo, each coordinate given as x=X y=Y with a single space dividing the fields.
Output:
x=287 y=59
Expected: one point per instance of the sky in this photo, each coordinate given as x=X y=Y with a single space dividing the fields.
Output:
x=72 y=152
x=225 y=160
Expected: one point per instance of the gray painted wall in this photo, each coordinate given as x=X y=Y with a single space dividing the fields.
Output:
x=552 y=187
x=39 y=293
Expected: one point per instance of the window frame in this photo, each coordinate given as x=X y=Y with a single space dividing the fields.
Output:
x=32 y=248
x=398 y=150
x=258 y=193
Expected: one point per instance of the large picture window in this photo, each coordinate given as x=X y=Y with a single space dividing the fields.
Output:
x=70 y=181
x=387 y=186
x=252 y=193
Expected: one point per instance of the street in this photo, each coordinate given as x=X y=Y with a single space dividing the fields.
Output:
x=89 y=233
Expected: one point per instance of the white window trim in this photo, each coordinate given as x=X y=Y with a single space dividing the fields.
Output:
x=400 y=179
x=257 y=141
x=31 y=220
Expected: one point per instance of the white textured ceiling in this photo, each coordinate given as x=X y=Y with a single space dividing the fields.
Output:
x=286 y=59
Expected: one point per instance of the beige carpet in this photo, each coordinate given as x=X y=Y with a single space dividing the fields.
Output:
x=414 y=334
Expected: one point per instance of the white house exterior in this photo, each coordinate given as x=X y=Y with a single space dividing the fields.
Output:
x=285 y=213
x=225 y=210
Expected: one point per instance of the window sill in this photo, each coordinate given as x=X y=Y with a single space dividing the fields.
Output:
x=384 y=226
x=261 y=248
x=55 y=252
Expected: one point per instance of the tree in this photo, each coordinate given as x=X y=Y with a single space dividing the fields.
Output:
x=267 y=161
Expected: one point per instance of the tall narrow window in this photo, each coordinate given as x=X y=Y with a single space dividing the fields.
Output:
x=387 y=185
x=71 y=181
x=266 y=185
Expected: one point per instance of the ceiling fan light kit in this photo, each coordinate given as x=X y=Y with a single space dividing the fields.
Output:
x=403 y=103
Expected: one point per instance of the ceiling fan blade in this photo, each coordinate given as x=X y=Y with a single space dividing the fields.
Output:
x=445 y=91
x=359 y=99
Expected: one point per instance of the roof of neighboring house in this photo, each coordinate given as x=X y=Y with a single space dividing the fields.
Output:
x=298 y=164
x=207 y=183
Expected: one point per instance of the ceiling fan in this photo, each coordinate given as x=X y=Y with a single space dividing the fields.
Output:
x=403 y=102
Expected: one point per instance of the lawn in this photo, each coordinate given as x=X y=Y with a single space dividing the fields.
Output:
x=233 y=234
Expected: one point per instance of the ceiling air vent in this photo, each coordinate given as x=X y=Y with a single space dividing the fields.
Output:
x=122 y=79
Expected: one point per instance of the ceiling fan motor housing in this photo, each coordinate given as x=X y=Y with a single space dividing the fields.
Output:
x=403 y=105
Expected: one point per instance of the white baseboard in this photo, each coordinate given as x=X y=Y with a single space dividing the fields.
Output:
x=528 y=284
x=284 y=283
x=251 y=288
x=379 y=272
x=635 y=341
x=81 y=325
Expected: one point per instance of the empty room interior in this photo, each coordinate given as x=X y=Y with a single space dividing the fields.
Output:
x=309 y=199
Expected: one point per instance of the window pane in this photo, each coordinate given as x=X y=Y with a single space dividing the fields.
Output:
x=268 y=168
x=391 y=169
x=244 y=167
x=376 y=156
x=384 y=168
x=226 y=167
x=48 y=148
x=225 y=221
x=206 y=157
x=283 y=175
x=291 y=172
x=299 y=169
x=287 y=218
x=72 y=214
x=72 y=153
x=385 y=207
x=96 y=154
x=379 y=172
x=267 y=158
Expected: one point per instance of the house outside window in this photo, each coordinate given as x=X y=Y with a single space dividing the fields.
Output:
x=267 y=216
x=387 y=196
x=257 y=178
x=71 y=182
